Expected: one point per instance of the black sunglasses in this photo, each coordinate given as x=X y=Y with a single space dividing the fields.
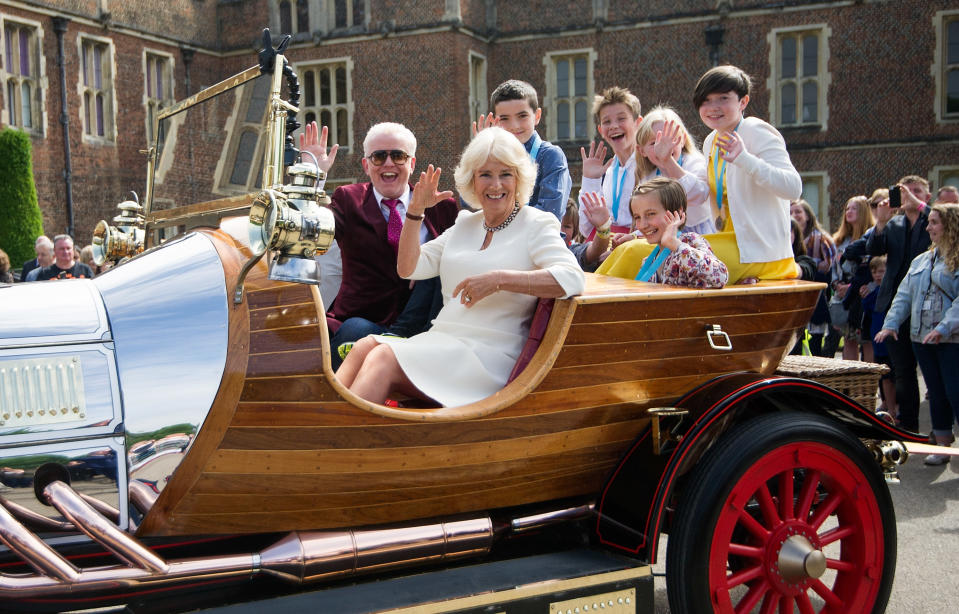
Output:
x=378 y=157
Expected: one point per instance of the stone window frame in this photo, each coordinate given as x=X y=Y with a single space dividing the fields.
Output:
x=296 y=27
x=334 y=108
x=822 y=78
x=321 y=18
x=941 y=67
x=477 y=70
x=152 y=104
x=88 y=92
x=237 y=126
x=819 y=179
x=37 y=82
x=551 y=101
x=349 y=8
x=941 y=175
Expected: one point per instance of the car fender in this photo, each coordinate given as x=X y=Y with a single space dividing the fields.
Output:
x=636 y=499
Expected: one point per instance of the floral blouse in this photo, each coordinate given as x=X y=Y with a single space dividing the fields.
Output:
x=693 y=265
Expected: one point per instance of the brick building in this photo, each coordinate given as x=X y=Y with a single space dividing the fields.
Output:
x=864 y=91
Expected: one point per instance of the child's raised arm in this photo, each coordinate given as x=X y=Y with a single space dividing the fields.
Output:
x=483 y=122
x=765 y=160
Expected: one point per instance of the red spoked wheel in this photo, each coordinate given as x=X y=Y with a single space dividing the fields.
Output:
x=788 y=513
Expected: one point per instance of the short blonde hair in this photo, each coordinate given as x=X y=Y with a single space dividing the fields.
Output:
x=398 y=130
x=503 y=147
x=645 y=134
x=616 y=95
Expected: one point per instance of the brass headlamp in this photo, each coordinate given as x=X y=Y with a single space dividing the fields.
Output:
x=124 y=240
x=295 y=223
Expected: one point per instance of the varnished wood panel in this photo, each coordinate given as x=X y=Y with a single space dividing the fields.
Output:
x=303 y=314
x=574 y=484
x=604 y=353
x=713 y=305
x=276 y=296
x=413 y=458
x=656 y=392
x=279 y=364
x=290 y=389
x=655 y=367
x=285 y=339
x=490 y=429
x=304 y=500
x=305 y=413
x=680 y=326
x=395 y=478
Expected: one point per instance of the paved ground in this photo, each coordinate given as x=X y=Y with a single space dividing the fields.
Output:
x=927 y=522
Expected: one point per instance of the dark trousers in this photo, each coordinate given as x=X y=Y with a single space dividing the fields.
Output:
x=907 y=383
x=940 y=368
x=352 y=330
x=424 y=303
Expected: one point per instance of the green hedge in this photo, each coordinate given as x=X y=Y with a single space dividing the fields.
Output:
x=22 y=220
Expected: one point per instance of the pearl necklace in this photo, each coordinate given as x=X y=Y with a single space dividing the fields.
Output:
x=505 y=223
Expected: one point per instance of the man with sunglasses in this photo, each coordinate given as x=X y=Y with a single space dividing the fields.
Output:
x=369 y=217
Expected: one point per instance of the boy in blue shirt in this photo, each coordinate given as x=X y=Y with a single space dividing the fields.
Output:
x=516 y=109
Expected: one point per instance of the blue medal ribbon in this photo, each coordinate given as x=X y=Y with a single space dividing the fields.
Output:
x=618 y=183
x=535 y=149
x=679 y=162
x=654 y=261
x=720 y=172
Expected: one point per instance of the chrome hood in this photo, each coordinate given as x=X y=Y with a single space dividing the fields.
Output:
x=113 y=375
x=168 y=317
x=51 y=313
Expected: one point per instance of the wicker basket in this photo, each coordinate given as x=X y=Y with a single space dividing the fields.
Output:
x=857 y=380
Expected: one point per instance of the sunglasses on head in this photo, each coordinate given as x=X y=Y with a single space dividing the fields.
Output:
x=378 y=157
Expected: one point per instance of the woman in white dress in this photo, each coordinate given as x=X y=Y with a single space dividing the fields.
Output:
x=493 y=265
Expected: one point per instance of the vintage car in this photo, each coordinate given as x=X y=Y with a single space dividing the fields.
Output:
x=190 y=388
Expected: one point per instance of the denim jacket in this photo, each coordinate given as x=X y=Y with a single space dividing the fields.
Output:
x=908 y=302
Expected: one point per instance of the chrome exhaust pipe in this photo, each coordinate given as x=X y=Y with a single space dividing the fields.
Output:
x=34 y=550
x=33 y=520
x=297 y=558
x=142 y=496
x=308 y=557
x=85 y=517
x=538 y=521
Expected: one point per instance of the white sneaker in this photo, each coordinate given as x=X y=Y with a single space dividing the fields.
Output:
x=936 y=459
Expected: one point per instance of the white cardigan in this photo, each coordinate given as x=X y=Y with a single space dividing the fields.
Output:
x=759 y=184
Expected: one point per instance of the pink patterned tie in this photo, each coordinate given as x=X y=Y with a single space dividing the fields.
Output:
x=394 y=225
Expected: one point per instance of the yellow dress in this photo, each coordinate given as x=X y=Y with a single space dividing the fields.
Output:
x=626 y=259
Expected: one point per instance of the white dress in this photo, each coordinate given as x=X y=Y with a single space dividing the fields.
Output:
x=468 y=354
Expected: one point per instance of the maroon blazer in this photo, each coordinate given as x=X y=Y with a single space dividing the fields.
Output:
x=371 y=288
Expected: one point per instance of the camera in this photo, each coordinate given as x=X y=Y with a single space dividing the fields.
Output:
x=895 y=197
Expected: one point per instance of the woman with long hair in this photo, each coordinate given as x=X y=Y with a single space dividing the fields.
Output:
x=856 y=220
x=822 y=250
x=927 y=295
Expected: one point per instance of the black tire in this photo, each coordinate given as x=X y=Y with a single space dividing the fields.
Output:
x=717 y=519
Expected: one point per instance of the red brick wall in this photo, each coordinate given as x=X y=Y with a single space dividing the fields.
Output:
x=880 y=100
x=473 y=14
